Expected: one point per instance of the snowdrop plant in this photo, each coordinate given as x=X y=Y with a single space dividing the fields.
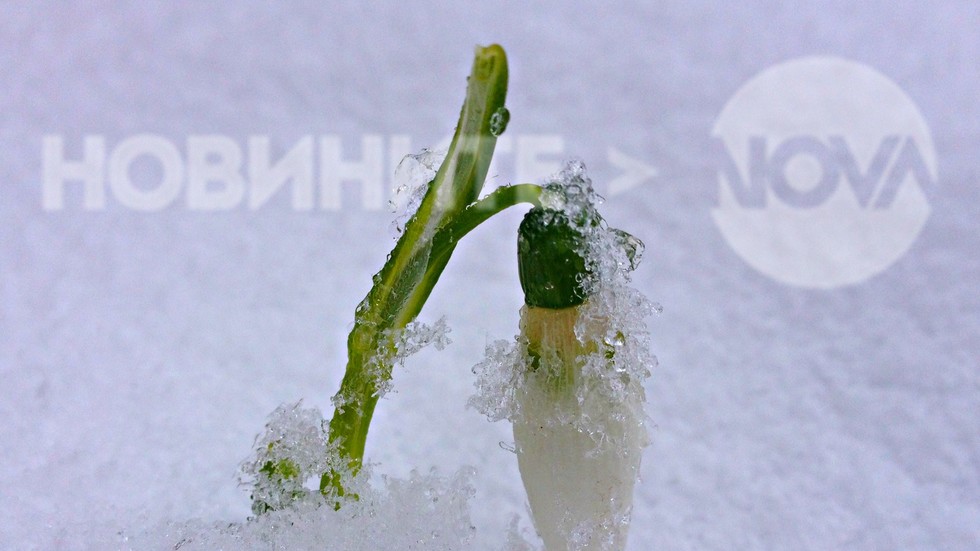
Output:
x=571 y=383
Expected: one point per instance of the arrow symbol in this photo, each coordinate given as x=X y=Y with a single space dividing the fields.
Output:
x=634 y=172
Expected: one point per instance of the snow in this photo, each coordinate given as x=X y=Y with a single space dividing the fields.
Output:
x=420 y=512
x=140 y=353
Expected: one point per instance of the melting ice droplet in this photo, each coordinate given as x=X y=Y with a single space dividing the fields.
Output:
x=499 y=120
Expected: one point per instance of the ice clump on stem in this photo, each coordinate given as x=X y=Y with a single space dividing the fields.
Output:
x=395 y=347
x=399 y=344
x=411 y=182
x=294 y=449
x=571 y=383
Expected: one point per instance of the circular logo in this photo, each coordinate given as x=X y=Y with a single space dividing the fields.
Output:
x=823 y=163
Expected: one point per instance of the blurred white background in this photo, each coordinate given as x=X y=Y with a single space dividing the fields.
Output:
x=140 y=352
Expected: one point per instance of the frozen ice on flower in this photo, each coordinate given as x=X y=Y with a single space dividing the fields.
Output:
x=571 y=383
x=621 y=360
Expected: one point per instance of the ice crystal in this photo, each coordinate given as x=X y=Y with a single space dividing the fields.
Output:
x=412 y=178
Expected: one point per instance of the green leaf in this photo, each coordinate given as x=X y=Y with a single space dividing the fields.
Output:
x=447 y=212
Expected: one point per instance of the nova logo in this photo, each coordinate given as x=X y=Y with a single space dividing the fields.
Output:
x=872 y=187
x=822 y=170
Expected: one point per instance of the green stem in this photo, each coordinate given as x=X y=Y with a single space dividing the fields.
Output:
x=448 y=211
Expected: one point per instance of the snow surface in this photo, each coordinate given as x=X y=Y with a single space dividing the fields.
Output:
x=140 y=353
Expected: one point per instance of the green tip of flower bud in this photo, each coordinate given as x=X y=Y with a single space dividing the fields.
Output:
x=551 y=267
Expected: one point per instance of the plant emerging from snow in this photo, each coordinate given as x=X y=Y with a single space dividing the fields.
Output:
x=571 y=383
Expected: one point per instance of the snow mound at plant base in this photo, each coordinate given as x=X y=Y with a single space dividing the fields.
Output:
x=424 y=511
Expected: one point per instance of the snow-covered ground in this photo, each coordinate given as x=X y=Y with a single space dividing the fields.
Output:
x=140 y=352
